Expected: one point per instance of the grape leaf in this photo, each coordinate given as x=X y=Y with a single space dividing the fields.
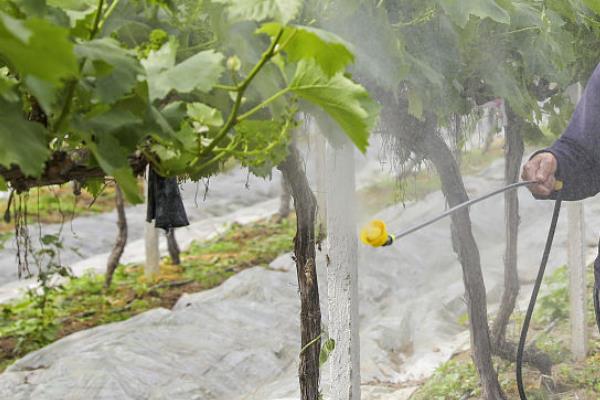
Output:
x=6 y=88
x=36 y=47
x=204 y=114
x=94 y=186
x=459 y=11
x=199 y=72
x=263 y=145
x=115 y=69
x=330 y=51
x=43 y=91
x=110 y=121
x=593 y=5
x=113 y=160
x=326 y=350
x=346 y=102
x=259 y=10
x=23 y=142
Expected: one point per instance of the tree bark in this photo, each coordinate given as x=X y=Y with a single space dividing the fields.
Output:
x=284 y=200
x=412 y=136
x=305 y=205
x=513 y=154
x=119 y=247
x=466 y=248
x=501 y=346
x=174 y=251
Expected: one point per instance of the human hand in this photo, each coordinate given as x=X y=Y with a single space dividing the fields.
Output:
x=541 y=168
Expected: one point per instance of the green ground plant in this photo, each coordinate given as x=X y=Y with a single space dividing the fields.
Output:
x=46 y=314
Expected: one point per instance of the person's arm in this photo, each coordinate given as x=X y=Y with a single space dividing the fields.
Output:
x=576 y=152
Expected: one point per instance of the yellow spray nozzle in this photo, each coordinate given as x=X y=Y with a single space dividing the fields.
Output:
x=375 y=234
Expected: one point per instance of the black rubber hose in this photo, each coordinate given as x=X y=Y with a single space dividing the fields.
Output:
x=534 y=294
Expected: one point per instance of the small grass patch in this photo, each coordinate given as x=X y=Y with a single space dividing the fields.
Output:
x=83 y=303
x=457 y=378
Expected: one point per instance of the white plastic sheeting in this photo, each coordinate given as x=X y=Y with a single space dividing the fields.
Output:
x=240 y=341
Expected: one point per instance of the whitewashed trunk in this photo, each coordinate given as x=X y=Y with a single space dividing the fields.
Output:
x=342 y=274
x=577 y=285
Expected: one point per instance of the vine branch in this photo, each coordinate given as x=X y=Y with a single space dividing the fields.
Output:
x=232 y=119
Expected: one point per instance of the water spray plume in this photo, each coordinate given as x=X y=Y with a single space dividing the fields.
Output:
x=375 y=233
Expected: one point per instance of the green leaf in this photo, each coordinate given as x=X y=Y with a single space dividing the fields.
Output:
x=113 y=160
x=187 y=137
x=259 y=10
x=110 y=121
x=128 y=183
x=329 y=345
x=3 y=188
x=459 y=11
x=199 y=72
x=204 y=114
x=174 y=113
x=263 y=144
x=23 y=142
x=346 y=102
x=43 y=91
x=326 y=350
x=593 y=5
x=328 y=50
x=115 y=69
x=7 y=85
x=36 y=47
x=94 y=186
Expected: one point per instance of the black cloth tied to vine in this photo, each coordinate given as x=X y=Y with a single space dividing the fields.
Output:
x=165 y=206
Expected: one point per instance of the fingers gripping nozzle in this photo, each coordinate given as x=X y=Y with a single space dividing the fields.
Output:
x=375 y=234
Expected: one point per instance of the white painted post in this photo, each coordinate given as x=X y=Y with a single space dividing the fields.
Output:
x=342 y=274
x=577 y=284
x=321 y=172
x=152 y=266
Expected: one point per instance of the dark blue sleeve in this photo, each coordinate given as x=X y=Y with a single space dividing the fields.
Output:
x=578 y=149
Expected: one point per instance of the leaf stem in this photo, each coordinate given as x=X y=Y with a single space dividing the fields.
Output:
x=72 y=85
x=307 y=345
x=219 y=156
x=264 y=104
x=96 y=23
x=229 y=88
x=289 y=39
x=528 y=28
x=108 y=13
